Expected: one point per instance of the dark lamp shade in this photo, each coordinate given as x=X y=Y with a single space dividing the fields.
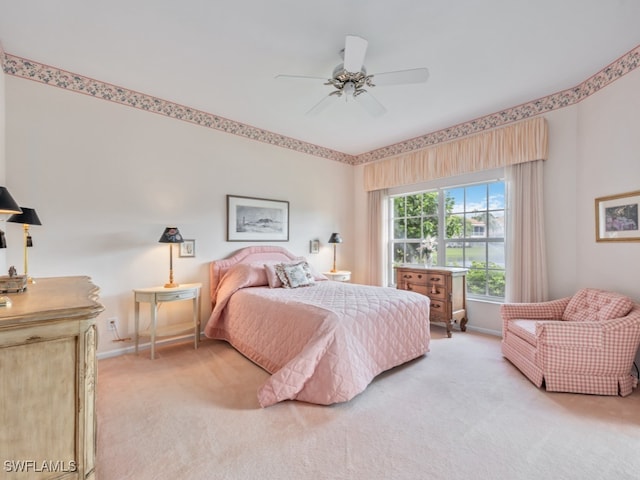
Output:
x=27 y=217
x=171 y=235
x=335 y=238
x=7 y=203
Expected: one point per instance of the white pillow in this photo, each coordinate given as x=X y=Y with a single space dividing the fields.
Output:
x=289 y=275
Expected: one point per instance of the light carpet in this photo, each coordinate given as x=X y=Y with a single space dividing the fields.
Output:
x=460 y=412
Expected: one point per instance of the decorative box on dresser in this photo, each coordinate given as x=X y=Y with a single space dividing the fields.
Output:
x=48 y=380
x=445 y=286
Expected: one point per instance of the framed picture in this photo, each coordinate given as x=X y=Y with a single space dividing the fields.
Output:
x=257 y=220
x=314 y=246
x=188 y=248
x=617 y=218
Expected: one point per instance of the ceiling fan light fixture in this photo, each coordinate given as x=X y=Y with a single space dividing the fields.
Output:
x=349 y=90
x=350 y=78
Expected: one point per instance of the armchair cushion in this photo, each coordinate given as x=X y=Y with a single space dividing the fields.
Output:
x=591 y=304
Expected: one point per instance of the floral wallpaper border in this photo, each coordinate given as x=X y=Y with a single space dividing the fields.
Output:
x=21 y=67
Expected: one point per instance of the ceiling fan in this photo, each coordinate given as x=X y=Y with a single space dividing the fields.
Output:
x=350 y=79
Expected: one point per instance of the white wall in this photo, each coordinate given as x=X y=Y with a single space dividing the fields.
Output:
x=608 y=164
x=106 y=179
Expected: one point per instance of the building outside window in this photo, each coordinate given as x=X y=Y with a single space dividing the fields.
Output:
x=466 y=224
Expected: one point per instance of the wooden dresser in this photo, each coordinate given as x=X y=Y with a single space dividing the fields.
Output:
x=445 y=286
x=48 y=380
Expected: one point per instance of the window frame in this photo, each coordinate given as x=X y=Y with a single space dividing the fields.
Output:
x=441 y=260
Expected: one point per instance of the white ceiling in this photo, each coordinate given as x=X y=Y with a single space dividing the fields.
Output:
x=222 y=56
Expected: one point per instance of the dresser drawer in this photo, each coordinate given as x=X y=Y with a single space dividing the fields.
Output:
x=414 y=278
x=415 y=287
x=436 y=279
x=437 y=292
x=438 y=310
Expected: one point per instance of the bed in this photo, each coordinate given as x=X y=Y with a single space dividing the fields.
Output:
x=322 y=343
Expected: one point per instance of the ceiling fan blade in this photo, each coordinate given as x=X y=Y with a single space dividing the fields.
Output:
x=370 y=104
x=304 y=77
x=322 y=105
x=415 y=75
x=355 y=49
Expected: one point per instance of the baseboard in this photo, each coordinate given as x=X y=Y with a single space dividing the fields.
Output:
x=143 y=346
x=484 y=330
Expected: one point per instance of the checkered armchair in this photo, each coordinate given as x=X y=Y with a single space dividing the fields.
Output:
x=584 y=344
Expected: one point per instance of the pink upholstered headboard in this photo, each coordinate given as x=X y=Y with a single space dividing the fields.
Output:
x=266 y=253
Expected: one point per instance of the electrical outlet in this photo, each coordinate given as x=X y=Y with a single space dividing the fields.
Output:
x=113 y=324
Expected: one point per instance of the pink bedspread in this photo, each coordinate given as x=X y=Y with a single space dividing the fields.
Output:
x=323 y=344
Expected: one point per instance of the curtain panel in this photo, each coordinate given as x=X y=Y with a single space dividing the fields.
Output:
x=518 y=143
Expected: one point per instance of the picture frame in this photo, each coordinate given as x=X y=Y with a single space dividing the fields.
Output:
x=188 y=248
x=314 y=246
x=617 y=218
x=251 y=219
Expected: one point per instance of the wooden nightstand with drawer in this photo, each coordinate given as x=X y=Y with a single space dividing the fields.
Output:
x=445 y=286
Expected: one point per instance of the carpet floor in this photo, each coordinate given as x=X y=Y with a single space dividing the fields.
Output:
x=460 y=412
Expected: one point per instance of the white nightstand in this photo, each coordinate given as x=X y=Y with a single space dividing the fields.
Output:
x=156 y=295
x=338 y=276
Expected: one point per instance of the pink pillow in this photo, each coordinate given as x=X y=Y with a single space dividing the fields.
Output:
x=250 y=274
x=590 y=304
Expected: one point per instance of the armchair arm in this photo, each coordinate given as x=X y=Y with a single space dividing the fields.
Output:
x=596 y=335
x=551 y=310
x=571 y=334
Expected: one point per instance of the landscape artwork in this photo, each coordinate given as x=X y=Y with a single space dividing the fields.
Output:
x=257 y=219
x=617 y=218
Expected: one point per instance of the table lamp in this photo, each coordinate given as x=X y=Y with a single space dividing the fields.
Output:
x=171 y=235
x=335 y=239
x=26 y=218
x=7 y=203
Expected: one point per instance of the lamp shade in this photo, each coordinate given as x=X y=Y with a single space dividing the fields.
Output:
x=27 y=217
x=7 y=203
x=171 y=235
x=335 y=238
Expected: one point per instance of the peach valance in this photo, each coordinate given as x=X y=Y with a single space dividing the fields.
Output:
x=518 y=143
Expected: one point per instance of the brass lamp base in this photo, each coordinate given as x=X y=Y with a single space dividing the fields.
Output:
x=171 y=285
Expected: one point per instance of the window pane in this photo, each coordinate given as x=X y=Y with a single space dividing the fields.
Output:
x=477 y=281
x=496 y=196
x=455 y=254
x=476 y=225
x=398 y=207
x=455 y=200
x=430 y=203
x=414 y=205
x=399 y=229
x=430 y=227
x=398 y=252
x=496 y=283
x=476 y=198
x=413 y=256
x=413 y=227
x=475 y=252
x=455 y=226
x=496 y=224
x=496 y=255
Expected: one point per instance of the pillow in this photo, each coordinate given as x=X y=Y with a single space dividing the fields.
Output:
x=276 y=282
x=294 y=275
x=590 y=304
x=250 y=274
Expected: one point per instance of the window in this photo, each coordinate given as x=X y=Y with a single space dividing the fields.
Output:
x=467 y=224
